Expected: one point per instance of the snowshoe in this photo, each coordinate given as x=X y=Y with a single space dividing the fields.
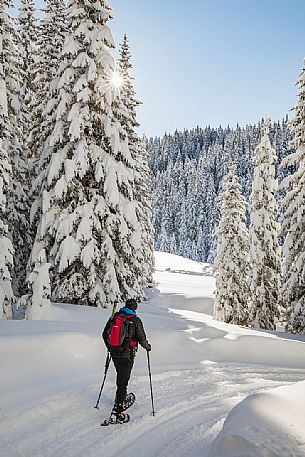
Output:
x=129 y=401
x=116 y=418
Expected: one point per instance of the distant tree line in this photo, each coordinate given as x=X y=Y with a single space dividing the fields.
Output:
x=187 y=173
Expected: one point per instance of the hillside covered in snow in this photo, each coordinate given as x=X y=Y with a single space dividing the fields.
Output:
x=219 y=389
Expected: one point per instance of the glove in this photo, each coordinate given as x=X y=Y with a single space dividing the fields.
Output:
x=148 y=347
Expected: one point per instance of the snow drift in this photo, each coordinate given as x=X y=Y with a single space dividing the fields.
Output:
x=269 y=424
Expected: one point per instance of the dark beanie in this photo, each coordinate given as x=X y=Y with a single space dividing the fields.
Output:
x=131 y=304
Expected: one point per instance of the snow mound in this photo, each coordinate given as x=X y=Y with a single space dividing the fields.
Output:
x=177 y=264
x=270 y=424
x=184 y=283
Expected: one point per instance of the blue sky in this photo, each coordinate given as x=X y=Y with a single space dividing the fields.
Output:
x=211 y=62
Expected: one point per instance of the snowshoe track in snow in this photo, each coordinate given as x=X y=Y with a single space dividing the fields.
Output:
x=190 y=410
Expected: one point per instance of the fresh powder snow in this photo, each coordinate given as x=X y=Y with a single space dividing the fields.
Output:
x=219 y=389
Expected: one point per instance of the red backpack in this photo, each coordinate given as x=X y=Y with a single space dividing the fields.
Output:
x=118 y=330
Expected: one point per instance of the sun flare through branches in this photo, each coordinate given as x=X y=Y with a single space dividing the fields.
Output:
x=116 y=80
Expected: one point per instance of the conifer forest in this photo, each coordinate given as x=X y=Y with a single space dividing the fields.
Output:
x=85 y=199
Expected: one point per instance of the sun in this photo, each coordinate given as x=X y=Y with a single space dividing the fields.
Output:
x=116 y=80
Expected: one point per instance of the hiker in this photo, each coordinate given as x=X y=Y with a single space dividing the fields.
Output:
x=123 y=354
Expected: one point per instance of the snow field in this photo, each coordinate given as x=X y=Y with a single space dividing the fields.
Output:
x=201 y=368
x=190 y=406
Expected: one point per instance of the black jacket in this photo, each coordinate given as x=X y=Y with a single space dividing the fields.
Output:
x=135 y=333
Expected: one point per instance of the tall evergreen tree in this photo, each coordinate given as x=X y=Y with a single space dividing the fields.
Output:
x=143 y=257
x=24 y=46
x=264 y=233
x=8 y=108
x=89 y=224
x=27 y=37
x=232 y=261
x=50 y=39
x=293 y=227
x=39 y=283
x=6 y=247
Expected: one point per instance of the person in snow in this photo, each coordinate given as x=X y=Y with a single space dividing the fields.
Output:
x=123 y=356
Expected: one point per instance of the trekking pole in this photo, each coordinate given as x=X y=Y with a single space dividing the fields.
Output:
x=108 y=358
x=107 y=363
x=151 y=390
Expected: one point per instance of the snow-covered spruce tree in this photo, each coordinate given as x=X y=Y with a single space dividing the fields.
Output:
x=21 y=81
x=183 y=232
x=231 y=266
x=6 y=248
x=164 y=239
x=142 y=193
x=264 y=232
x=89 y=217
x=16 y=197
x=293 y=223
x=39 y=282
x=50 y=38
x=143 y=256
x=27 y=36
x=8 y=106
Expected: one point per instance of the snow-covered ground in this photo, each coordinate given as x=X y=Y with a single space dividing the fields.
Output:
x=211 y=381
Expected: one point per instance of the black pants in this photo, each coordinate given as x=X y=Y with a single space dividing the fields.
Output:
x=123 y=368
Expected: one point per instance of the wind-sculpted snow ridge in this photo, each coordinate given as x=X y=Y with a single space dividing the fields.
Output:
x=270 y=424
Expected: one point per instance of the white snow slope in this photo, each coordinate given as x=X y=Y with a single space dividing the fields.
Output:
x=51 y=372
